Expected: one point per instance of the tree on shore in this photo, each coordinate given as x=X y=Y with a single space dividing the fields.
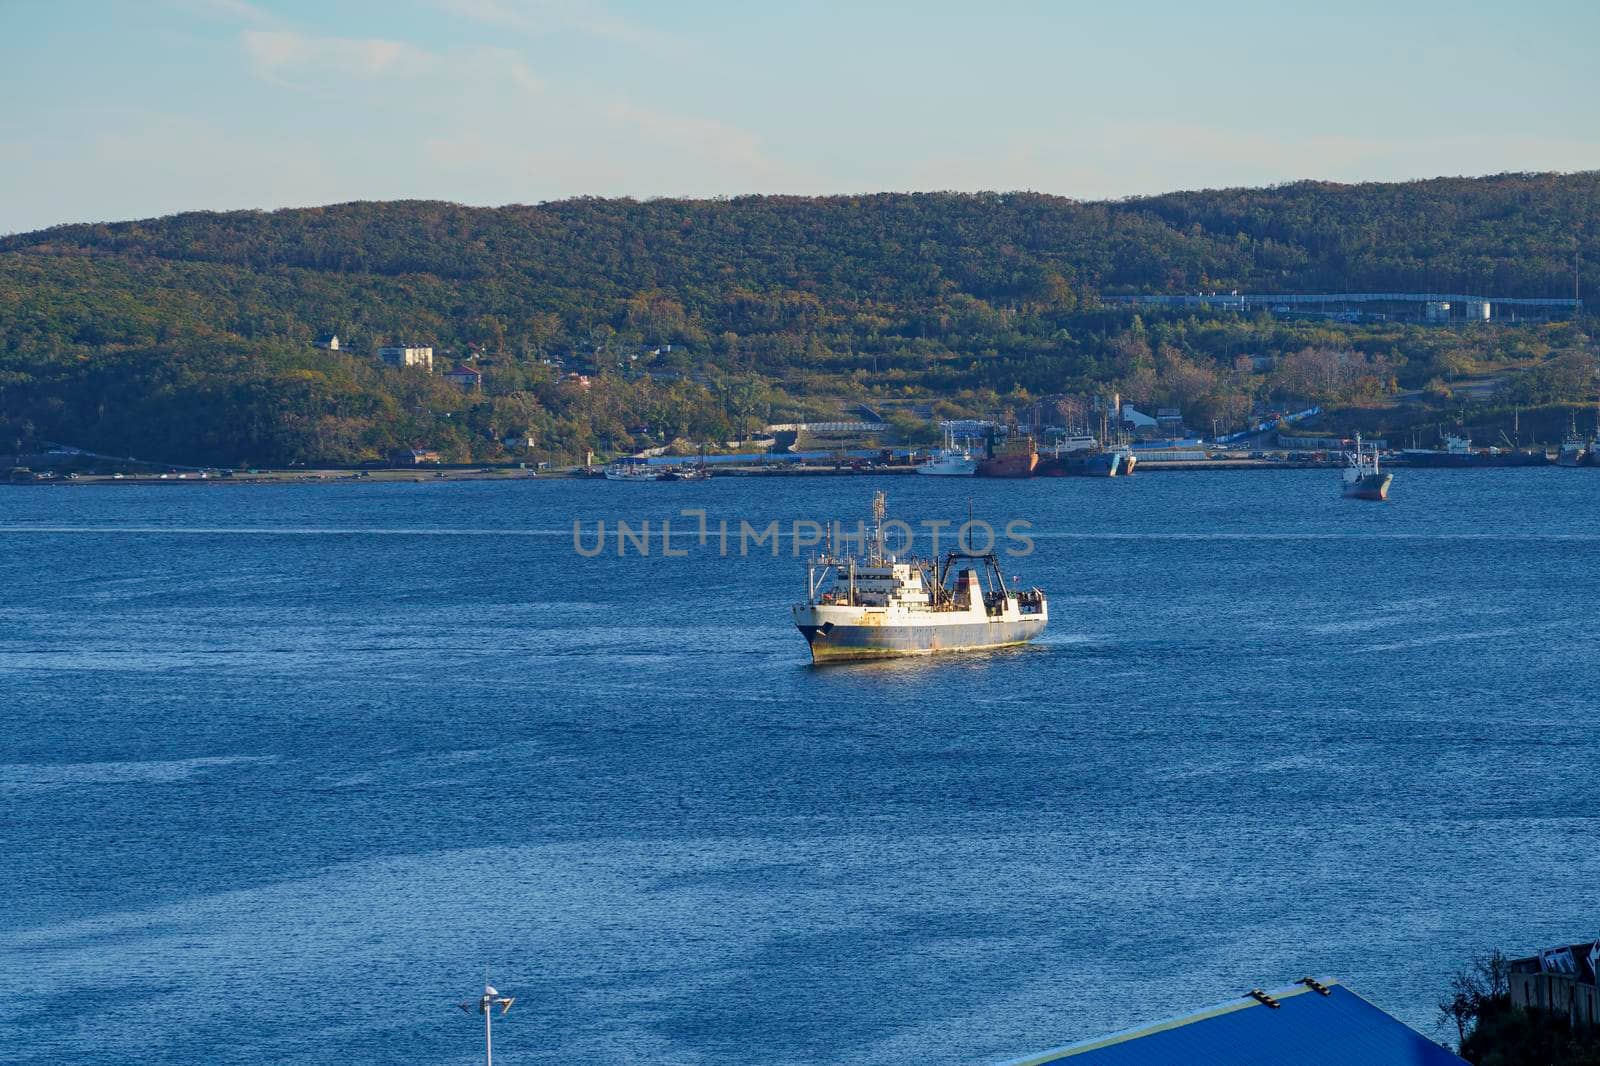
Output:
x=1478 y=988
x=1492 y=1032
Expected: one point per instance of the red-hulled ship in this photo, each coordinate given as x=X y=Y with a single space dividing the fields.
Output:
x=1015 y=457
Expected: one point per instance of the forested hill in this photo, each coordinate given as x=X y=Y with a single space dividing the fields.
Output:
x=1512 y=234
x=189 y=335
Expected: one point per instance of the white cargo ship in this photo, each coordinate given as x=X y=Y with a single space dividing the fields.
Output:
x=881 y=607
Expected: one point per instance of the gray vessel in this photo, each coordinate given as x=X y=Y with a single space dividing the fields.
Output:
x=1362 y=478
x=881 y=607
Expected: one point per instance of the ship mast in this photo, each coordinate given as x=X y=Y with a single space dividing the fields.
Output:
x=880 y=508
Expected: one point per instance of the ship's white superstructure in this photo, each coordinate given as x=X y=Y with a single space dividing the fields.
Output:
x=1573 y=449
x=632 y=470
x=955 y=459
x=880 y=607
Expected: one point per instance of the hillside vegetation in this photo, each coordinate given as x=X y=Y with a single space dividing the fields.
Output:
x=189 y=338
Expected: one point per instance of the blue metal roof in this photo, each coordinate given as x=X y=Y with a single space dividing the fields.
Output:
x=1306 y=1028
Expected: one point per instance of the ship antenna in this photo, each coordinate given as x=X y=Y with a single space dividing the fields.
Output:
x=485 y=1005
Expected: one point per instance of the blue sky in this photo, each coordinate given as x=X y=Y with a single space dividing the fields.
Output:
x=121 y=109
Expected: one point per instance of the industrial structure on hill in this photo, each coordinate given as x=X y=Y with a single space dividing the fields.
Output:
x=1435 y=308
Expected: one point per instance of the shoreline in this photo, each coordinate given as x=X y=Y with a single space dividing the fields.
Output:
x=324 y=476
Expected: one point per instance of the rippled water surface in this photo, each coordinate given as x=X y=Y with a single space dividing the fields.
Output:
x=282 y=768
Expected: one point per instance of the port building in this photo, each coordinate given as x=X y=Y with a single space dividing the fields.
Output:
x=1308 y=1023
x=403 y=355
x=414 y=457
x=1559 y=981
x=466 y=378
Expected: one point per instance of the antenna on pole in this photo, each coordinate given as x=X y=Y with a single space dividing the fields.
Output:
x=485 y=1005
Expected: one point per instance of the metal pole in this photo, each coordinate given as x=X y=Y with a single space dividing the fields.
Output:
x=488 y=1040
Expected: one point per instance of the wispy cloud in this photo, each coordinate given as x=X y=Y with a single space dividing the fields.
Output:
x=509 y=64
x=277 y=51
x=571 y=144
x=228 y=10
x=727 y=146
x=552 y=16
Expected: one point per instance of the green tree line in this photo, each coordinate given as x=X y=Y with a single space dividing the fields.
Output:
x=189 y=337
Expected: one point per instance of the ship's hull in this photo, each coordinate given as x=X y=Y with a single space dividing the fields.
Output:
x=831 y=643
x=948 y=468
x=1519 y=458
x=1019 y=465
x=1473 y=460
x=1412 y=457
x=1079 y=464
x=1369 y=487
x=1570 y=458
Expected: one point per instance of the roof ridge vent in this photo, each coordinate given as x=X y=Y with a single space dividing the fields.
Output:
x=1261 y=997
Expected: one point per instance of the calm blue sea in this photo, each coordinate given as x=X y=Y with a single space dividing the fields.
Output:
x=283 y=768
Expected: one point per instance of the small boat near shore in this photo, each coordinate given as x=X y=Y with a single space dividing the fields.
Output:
x=638 y=468
x=1363 y=480
x=631 y=469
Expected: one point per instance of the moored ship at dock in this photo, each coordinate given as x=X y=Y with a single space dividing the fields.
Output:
x=1574 y=449
x=631 y=469
x=1457 y=451
x=1076 y=455
x=1014 y=457
x=953 y=460
x=640 y=468
x=1094 y=462
x=882 y=607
